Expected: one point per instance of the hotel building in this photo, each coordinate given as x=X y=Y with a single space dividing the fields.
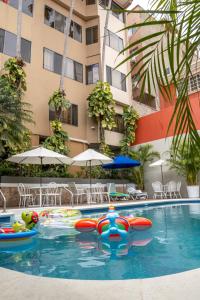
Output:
x=42 y=48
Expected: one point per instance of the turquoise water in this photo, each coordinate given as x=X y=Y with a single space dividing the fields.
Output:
x=172 y=245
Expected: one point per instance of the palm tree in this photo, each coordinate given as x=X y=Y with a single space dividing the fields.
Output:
x=176 y=45
x=108 y=8
x=66 y=35
x=19 y=29
x=144 y=154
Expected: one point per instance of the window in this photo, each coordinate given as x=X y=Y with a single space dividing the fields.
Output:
x=92 y=74
x=116 y=78
x=53 y=63
x=8 y=43
x=69 y=116
x=75 y=31
x=131 y=31
x=57 y=21
x=91 y=35
x=90 y=2
x=116 y=9
x=194 y=82
x=119 y=124
x=27 y=5
x=168 y=71
x=113 y=40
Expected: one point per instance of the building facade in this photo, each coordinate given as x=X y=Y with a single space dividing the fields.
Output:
x=42 y=45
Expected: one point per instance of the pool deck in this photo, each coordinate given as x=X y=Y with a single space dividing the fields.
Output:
x=19 y=286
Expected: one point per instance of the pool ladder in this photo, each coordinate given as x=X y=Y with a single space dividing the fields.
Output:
x=3 y=198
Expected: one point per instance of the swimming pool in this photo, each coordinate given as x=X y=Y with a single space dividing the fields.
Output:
x=171 y=246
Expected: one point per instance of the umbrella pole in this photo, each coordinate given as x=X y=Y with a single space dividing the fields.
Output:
x=41 y=183
x=90 y=176
x=162 y=174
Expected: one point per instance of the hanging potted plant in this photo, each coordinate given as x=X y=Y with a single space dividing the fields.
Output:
x=186 y=162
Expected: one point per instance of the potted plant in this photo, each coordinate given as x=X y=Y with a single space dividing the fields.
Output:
x=185 y=160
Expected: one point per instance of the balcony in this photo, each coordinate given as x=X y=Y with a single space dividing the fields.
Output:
x=81 y=9
x=123 y=3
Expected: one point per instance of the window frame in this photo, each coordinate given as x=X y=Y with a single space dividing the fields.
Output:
x=87 y=77
x=2 y=49
x=92 y=29
x=108 y=33
x=109 y=77
x=68 y=117
x=75 y=63
x=23 y=9
x=72 y=25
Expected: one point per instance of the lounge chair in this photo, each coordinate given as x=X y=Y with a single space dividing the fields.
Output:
x=114 y=195
x=136 y=194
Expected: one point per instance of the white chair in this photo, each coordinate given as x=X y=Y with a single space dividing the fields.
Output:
x=3 y=198
x=78 y=194
x=52 y=194
x=71 y=198
x=98 y=193
x=25 y=195
x=171 y=190
x=178 y=189
x=158 y=190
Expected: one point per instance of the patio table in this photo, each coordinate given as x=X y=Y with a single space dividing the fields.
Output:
x=41 y=188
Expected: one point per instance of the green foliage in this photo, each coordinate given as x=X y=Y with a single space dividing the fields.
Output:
x=173 y=42
x=130 y=118
x=105 y=149
x=145 y=154
x=186 y=162
x=14 y=136
x=59 y=103
x=14 y=72
x=101 y=107
x=57 y=142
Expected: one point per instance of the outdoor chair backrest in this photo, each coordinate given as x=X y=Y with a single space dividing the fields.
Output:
x=52 y=188
x=131 y=189
x=3 y=198
x=172 y=187
x=111 y=187
x=99 y=188
x=72 y=187
x=178 y=186
x=21 y=189
x=157 y=187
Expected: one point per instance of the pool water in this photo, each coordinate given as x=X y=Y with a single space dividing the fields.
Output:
x=172 y=245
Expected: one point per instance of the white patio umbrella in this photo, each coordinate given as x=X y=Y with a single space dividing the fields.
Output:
x=159 y=163
x=90 y=158
x=40 y=156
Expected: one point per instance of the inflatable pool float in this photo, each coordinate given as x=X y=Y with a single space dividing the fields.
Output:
x=113 y=226
x=20 y=231
x=60 y=213
x=61 y=220
x=11 y=236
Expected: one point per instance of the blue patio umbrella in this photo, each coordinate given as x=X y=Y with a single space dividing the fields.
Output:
x=122 y=162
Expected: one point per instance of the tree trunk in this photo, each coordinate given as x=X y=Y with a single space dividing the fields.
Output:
x=66 y=34
x=101 y=75
x=104 y=41
x=19 y=29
